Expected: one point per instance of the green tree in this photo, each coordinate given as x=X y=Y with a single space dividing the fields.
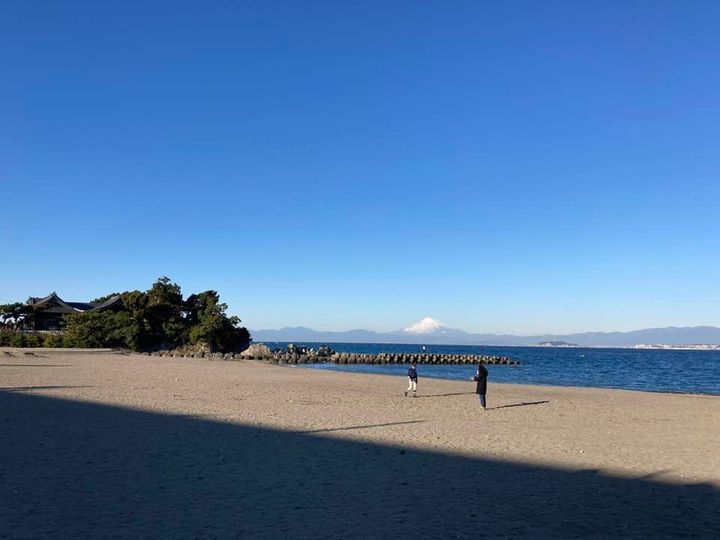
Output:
x=149 y=319
x=163 y=315
x=136 y=303
x=101 y=329
x=105 y=298
x=209 y=323
x=87 y=330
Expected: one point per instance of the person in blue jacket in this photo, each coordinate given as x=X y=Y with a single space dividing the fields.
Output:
x=412 y=379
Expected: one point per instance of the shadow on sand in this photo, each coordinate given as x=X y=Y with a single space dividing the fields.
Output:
x=37 y=365
x=421 y=396
x=74 y=469
x=523 y=404
x=31 y=388
x=349 y=428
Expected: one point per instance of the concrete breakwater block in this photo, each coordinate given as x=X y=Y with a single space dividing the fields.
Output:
x=344 y=358
x=392 y=358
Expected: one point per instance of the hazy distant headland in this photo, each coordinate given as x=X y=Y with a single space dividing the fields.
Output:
x=431 y=332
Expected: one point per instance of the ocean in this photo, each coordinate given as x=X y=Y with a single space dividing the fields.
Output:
x=681 y=371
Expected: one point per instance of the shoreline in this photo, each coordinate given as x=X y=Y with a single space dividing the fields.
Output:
x=7 y=352
x=360 y=371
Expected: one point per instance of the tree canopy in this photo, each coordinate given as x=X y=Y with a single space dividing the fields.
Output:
x=153 y=319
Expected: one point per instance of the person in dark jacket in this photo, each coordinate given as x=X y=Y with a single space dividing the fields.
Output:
x=412 y=379
x=481 y=388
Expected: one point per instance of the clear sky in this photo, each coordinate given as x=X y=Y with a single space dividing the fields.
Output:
x=501 y=166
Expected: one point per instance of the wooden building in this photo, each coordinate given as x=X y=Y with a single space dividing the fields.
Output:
x=48 y=313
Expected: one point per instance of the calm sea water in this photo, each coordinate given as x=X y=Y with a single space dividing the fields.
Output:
x=631 y=369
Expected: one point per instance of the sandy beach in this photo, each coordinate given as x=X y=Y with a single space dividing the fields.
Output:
x=106 y=444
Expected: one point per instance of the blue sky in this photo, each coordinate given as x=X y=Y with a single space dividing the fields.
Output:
x=514 y=167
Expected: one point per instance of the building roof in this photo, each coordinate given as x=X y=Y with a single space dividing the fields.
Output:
x=115 y=301
x=52 y=303
x=80 y=306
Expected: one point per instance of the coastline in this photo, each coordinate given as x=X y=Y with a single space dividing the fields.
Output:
x=438 y=371
x=360 y=371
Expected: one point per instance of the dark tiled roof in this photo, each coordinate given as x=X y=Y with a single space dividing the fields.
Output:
x=82 y=306
x=52 y=303
x=115 y=301
x=35 y=300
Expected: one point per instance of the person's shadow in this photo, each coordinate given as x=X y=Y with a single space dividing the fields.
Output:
x=444 y=395
x=523 y=404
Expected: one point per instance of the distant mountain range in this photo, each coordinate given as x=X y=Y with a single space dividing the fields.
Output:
x=430 y=331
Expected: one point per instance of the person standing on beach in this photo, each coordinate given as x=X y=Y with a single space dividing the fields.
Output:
x=412 y=379
x=481 y=388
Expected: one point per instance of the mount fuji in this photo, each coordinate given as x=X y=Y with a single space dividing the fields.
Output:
x=425 y=326
x=434 y=330
x=426 y=330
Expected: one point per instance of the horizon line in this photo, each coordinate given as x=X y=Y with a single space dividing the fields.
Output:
x=488 y=333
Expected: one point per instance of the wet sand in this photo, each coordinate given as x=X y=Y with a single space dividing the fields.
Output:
x=105 y=444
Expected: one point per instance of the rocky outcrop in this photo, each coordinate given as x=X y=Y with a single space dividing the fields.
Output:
x=257 y=350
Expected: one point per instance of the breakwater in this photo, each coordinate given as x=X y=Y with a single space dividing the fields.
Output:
x=352 y=358
x=397 y=358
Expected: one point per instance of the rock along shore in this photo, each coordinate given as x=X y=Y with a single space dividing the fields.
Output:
x=351 y=358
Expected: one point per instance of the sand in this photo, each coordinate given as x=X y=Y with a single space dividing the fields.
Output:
x=105 y=444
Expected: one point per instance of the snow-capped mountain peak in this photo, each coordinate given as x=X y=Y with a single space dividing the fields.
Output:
x=428 y=325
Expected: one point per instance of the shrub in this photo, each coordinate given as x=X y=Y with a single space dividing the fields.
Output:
x=17 y=340
x=33 y=340
x=67 y=341
x=52 y=341
x=100 y=329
